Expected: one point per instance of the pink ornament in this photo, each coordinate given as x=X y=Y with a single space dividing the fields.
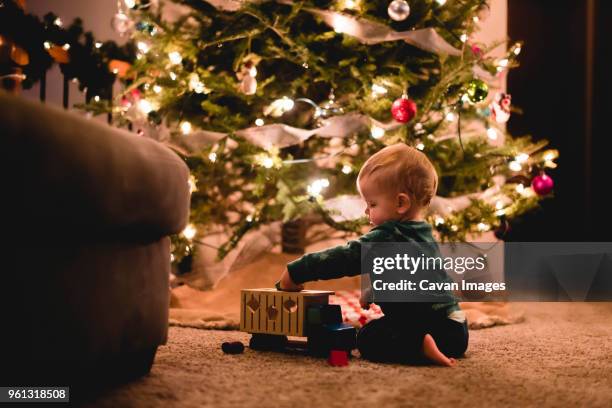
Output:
x=477 y=51
x=542 y=184
x=403 y=109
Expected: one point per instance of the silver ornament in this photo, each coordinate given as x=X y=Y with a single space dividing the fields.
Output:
x=398 y=10
x=121 y=23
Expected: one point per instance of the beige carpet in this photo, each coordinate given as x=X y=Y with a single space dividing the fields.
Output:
x=219 y=308
x=560 y=356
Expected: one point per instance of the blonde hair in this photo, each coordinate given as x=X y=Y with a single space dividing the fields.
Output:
x=402 y=169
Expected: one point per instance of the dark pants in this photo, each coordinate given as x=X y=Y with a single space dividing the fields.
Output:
x=395 y=340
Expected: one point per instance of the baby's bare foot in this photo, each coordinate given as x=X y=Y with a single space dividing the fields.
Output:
x=431 y=351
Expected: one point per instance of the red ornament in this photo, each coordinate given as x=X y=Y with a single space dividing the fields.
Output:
x=477 y=51
x=542 y=184
x=403 y=109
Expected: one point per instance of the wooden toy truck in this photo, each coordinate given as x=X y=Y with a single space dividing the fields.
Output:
x=270 y=315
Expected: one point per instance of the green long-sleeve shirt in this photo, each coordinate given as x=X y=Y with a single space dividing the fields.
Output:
x=345 y=260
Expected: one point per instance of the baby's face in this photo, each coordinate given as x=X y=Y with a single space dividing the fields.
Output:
x=381 y=206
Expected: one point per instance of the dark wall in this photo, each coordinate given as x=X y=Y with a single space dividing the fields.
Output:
x=562 y=86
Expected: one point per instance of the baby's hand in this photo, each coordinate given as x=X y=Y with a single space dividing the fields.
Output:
x=286 y=283
x=364 y=298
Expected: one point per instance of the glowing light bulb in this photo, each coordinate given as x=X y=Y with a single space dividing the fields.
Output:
x=464 y=37
x=439 y=220
x=483 y=227
x=97 y=98
x=212 y=157
x=66 y=47
x=145 y=106
x=377 y=132
x=190 y=231
x=157 y=89
x=249 y=218
x=522 y=158
x=441 y=2
x=175 y=57
x=315 y=188
x=58 y=22
x=420 y=146
x=192 y=182
x=378 y=90
x=267 y=162
x=492 y=133
x=515 y=166
x=185 y=128
x=172 y=76
x=259 y=122
x=47 y=45
x=143 y=47
x=450 y=117
x=130 y=3
x=503 y=63
x=98 y=44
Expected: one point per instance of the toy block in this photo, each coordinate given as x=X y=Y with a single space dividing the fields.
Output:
x=234 y=347
x=324 y=314
x=271 y=311
x=338 y=358
x=263 y=341
x=328 y=337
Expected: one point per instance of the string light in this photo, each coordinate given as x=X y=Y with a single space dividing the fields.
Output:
x=346 y=169
x=420 y=146
x=157 y=89
x=192 y=182
x=185 y=128
x=515 y=166
x=378 y=90
x=145 y=106
x=47 y=45
x=212 y=157
x=450 y=117
x=520 y=188
x=172 y=76
x=98 y=44
x=130 y=3
x=439 y=220
x=249 y=218
x=522 y=158
x=175 y=57
x=190 y=231
x=315 y=188
x=58 y=22
x=492 y=133
x=259 y=122
x=267 y=162
x=66 y=47
x=483 y=227
x=464 y=37
x=279 y=107
x=143 y=47
x=441 y=2
x=97 y=98
x=377 y=132
x=350 y=4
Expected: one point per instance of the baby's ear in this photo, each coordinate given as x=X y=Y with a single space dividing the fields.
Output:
x=403 y=203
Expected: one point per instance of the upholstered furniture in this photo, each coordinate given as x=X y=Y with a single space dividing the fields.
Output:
x=87 y=212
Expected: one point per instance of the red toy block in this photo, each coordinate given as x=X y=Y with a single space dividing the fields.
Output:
x=338 y=358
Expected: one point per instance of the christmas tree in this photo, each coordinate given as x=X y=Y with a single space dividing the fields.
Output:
x=275 y=105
